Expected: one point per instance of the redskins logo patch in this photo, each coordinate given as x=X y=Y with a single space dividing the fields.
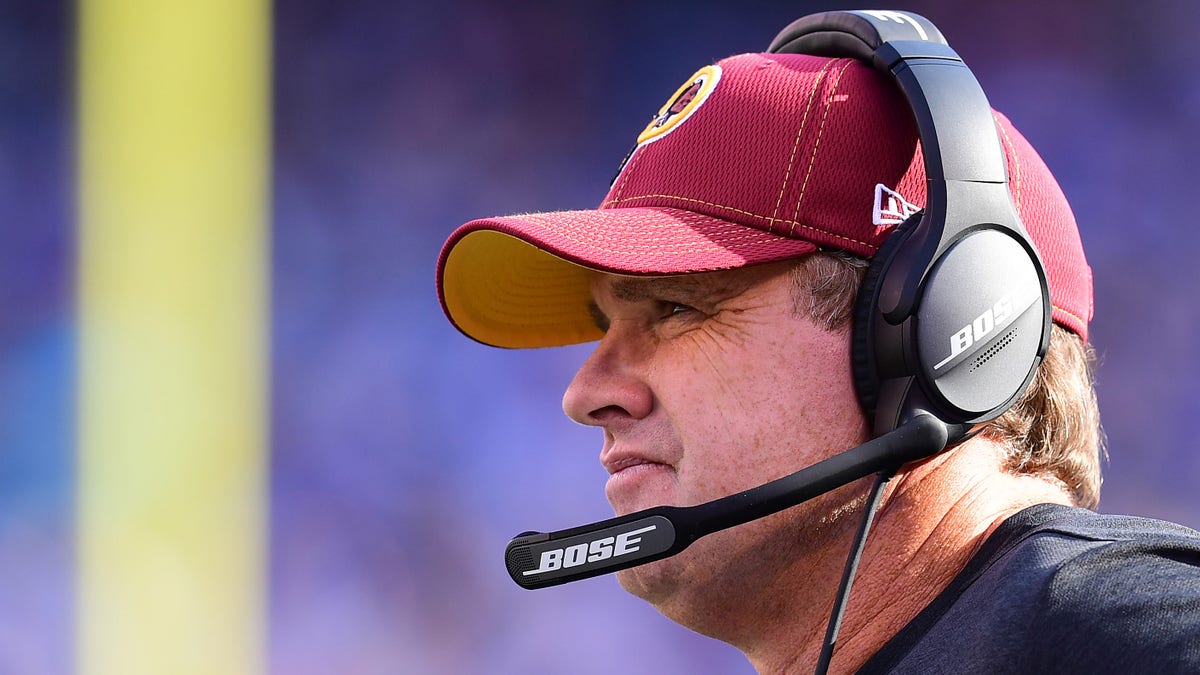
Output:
x=682 y=104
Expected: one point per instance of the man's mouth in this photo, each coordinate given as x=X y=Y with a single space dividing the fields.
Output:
x=630 y=477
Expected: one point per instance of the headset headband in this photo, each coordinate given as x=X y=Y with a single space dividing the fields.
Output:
x=964 y=161
x=967 y=193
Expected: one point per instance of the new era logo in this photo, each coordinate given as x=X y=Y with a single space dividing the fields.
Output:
x=891 y=208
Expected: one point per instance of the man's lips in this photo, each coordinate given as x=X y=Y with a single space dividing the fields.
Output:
x=616 y=465
x=630 y=475
x=617 y=457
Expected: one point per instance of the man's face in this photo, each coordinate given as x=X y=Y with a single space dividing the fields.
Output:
x=706 y=385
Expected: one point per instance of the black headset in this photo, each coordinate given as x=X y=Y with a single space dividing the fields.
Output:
x=951 y=323
x=953 y=317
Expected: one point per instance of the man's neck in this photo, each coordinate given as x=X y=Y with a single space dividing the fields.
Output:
x=934 y=518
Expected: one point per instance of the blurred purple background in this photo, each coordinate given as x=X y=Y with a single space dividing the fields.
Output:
x=405 y=456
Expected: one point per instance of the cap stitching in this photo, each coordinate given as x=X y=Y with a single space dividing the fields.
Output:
x=1068 y=312
x=566 y=233
x=687 y=217
x=812 y=160
x=590 y=243
x=796 y=144
x=793 y=223
x=1016 y=160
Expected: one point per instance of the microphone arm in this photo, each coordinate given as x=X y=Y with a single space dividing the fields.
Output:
x=538 y=559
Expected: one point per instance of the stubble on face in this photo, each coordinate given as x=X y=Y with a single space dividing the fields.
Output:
x=773 y=424
x=725 y=583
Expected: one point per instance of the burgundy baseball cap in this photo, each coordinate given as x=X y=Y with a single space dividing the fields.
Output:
x=756 y=159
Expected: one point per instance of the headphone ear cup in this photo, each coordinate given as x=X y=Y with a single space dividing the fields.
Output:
x=862 y=341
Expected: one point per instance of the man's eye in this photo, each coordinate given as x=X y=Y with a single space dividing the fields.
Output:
x=673 y=309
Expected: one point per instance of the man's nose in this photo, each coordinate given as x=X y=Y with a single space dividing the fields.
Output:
x=610 y=385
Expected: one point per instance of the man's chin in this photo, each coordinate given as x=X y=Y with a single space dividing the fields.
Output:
x=671 y=587
x=643 y=492
x=653 y=582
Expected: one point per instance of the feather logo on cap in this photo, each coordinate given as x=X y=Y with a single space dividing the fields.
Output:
x=685 y=101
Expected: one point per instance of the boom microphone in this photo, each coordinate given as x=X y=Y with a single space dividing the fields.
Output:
x=539 y=559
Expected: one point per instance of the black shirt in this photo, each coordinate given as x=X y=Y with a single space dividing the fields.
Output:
x=1062 y=590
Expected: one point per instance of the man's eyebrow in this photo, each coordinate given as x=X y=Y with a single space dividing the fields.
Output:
x=686 y=289
x=640 y=289
x=681 y=288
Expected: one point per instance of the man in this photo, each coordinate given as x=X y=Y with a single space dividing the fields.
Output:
x=719 y=277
